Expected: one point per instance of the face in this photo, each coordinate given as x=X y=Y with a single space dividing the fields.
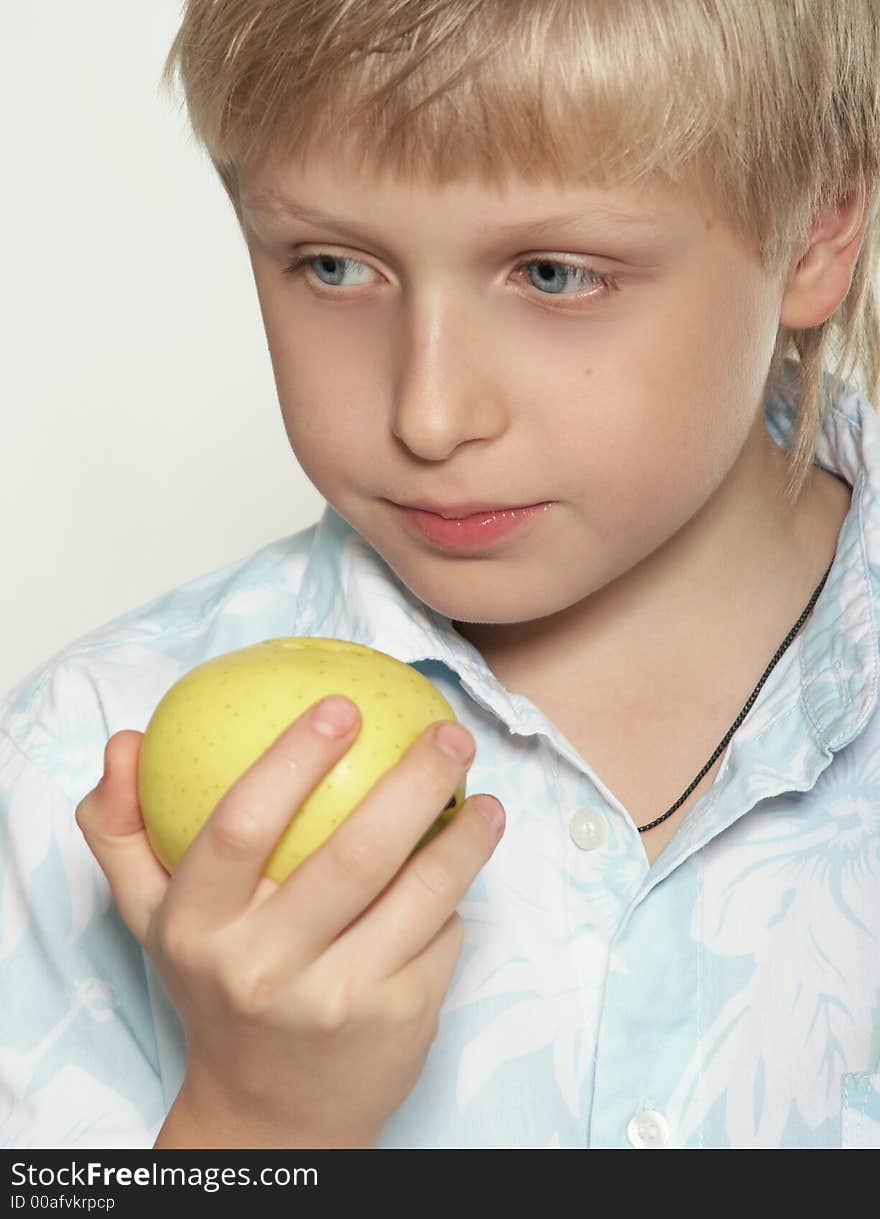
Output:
x=430 y=348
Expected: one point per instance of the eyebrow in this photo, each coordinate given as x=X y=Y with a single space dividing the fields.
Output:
x=273 y=201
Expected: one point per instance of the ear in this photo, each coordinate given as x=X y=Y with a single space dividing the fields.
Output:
x=822 y=277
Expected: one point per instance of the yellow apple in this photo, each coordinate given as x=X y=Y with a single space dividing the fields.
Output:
x=217 y=719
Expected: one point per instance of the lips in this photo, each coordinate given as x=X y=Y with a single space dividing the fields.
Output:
x=473 y=533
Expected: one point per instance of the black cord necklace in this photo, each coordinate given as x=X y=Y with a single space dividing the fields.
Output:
x=742 y=715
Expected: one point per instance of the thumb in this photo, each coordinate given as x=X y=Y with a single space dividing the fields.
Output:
x=111 y=822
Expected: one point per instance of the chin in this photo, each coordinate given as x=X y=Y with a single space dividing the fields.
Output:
x=498 y=604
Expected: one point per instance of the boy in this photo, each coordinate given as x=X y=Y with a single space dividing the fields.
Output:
x=542 y=267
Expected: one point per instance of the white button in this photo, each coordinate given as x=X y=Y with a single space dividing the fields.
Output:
x=648 y=1129
x=588 y=829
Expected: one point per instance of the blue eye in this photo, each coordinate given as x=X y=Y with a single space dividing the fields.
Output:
x=548 y=277
x=340 y=266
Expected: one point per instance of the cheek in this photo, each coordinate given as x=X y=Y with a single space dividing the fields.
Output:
x=328 y=399
x=330 y=440
x=674 y=413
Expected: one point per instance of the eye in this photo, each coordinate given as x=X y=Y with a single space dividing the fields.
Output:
x=338 y=266
x=548 y=275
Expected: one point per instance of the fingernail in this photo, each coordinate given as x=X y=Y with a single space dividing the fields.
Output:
x=493 y=811
x=454 y=741
x=334 y=715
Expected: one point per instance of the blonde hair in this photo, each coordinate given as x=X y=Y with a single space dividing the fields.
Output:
x=770 y=111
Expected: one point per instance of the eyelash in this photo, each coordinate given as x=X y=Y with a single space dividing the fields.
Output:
x=604 y=279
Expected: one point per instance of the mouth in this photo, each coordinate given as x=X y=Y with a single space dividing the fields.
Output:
x=472 y=532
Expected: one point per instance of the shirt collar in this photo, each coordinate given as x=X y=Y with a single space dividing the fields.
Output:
x=349 y=592
x=838 y=643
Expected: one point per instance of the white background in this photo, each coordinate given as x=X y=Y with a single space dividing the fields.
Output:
x=142 y=442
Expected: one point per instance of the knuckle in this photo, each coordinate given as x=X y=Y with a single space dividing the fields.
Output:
x=81 y=814
x=356 y=852
x=328 y=1007
x=85 y=812
x=176 y=944
x=433 y=875
x=235 y=830
x=249 y=989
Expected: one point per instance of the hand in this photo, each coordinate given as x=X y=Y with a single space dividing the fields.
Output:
x=310 y=1006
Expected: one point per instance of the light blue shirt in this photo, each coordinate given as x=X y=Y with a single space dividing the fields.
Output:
x=726 y=996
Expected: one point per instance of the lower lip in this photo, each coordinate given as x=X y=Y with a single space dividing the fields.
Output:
x=470 y=534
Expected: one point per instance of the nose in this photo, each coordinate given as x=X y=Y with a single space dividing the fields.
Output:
x=448 y=385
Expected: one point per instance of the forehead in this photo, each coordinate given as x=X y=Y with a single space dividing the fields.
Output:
x=330 y=188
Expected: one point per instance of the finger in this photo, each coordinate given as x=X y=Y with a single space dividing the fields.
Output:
x=397 y=927
x=113 y=827
x=222 y=869
x=428 y=975
x=333 y=885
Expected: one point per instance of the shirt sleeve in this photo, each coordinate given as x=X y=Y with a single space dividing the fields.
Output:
x=78 y=1057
